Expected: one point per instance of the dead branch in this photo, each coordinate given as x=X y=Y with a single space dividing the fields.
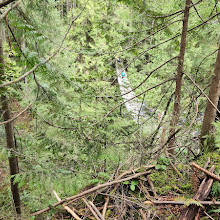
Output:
x=146 y=193
x=152 y=186
x=142 y=214
x=90 y=191
x=191 y=211
x=2 y=4
x=179 y=202
x=68 y=209
x=105 y=206
x=96 y=210
x=91 y=209
x=19 y=114
x=206 y=171
x=9 y=9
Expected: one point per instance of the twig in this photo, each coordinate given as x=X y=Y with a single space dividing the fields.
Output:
x=105 y=206
x=206 y=171
x=68 y=209
x=173 y=166
x=142 y=214
x=20 y=113
x=209 y=215
x=90 y=191
x=2 y=4
x=144 y=189
x=91 y=209
x=151 y=186
x=9 y=9
x=96 y=210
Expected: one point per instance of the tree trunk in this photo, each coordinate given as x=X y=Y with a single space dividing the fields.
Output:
x=180 y=69
x=210 y=111
x=13 y=161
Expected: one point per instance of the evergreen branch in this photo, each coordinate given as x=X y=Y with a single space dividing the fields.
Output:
x=202 y=92
x=49 y=58
x=117 y=106
x=18 y=115
x=148 y=76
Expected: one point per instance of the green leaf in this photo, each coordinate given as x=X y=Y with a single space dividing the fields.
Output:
x=126 y=182
x=132 y=187
x=163 y=167
x=134 y=182
x=157 y=167
x=215 y=210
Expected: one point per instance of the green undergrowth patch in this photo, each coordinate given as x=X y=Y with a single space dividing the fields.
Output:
x=168 y=182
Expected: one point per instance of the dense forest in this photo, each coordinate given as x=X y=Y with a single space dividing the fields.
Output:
x=110 y=109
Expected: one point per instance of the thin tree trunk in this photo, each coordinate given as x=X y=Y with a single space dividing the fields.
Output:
x=214 y=92
x=180 y=69
x=13 y=161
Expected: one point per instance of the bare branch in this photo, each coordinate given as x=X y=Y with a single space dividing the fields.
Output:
x=48 y=59
x=9 y=9
x=2 y=4
x=19 y=114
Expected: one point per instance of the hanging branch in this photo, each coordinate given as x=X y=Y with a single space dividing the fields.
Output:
x=2 y=4
x=18 y=115
x=48 y=59
x=9 y=9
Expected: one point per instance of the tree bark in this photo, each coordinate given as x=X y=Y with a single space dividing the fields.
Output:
x=190 y=212
x=180 y=69
x=13 y=161
x=210 y=111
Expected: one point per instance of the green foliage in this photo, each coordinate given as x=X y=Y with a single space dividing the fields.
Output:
x=64 y=141
x=215 y=189
x=132 y=183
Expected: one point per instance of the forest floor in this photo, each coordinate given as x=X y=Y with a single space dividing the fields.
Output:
x=145 y=193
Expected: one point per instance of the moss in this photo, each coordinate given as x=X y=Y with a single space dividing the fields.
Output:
x=214 y=158
x=186 y=186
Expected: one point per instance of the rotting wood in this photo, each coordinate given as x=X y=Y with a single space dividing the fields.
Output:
x=68 y=209
x=90 y=191
x=206 y=171
x=191 y=211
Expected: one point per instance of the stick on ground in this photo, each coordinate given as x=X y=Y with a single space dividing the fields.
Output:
x=68 y=209
x=90 y=191
x=207 y=172
x=91 y=209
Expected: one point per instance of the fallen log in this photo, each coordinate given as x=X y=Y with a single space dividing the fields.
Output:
x=191 y=211
x=89 y=191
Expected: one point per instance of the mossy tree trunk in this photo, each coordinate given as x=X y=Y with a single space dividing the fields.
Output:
x=210 y=111
x=180 y=69
x=13 y=160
